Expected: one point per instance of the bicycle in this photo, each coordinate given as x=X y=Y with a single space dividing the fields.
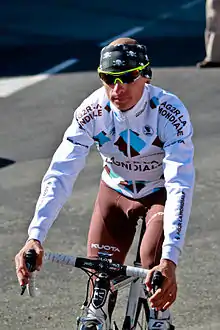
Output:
x=110 y=277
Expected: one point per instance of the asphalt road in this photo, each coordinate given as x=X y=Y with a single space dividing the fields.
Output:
x=32 y=122
x=31 y=126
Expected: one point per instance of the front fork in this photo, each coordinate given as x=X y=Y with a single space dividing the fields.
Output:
x=99 y=310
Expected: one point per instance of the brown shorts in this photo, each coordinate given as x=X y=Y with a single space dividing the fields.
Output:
x=114 y=221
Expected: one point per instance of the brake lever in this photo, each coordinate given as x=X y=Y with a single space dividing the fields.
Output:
x=30 y=261
x=157 y=280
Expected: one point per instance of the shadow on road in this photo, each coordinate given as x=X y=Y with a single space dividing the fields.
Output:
x=6 y=162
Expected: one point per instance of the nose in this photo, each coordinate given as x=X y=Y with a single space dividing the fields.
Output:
x=118 y=87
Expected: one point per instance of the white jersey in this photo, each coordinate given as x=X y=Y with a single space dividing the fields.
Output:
x=143 y=149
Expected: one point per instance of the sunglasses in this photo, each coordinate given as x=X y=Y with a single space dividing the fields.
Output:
x=125 y=77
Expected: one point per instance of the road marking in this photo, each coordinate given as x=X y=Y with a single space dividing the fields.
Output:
x=128 y=33
x=9 y=86
x=162 y=16
x=190 y=4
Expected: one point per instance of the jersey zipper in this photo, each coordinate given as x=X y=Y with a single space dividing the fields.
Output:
x=129 y=153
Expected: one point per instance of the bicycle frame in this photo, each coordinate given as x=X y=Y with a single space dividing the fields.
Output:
x=137 y=297
x=121 y=275
x=137 y=294
x=130 y=321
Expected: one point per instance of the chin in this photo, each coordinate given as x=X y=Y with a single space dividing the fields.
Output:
x=123 y=106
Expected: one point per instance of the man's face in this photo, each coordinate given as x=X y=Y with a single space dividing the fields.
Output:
x=125 y=96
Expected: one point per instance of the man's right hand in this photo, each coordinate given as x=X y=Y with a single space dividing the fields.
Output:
x=21 y=269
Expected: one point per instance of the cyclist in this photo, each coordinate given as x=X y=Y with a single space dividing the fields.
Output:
x=143 y=134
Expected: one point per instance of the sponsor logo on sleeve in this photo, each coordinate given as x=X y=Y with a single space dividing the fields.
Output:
x=46 y=189
x=88 y=114
x=174 y=115
x=180 y=217
x=175 y=142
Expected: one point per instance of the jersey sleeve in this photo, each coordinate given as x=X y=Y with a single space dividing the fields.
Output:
x=67 y=162
x=176 y=133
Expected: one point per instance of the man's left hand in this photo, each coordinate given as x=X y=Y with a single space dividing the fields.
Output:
x=166 y=295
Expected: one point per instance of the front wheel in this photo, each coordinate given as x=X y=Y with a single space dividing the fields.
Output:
x=89 y=327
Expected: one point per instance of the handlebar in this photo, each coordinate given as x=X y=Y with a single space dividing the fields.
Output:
x=99 y=265
x=104 y=265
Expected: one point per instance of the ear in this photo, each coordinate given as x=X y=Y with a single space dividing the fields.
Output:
x=147 y=72
x=145 y=79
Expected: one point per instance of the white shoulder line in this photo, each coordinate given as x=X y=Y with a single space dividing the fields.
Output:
x=163 y=16
x=128 y=33
x=9 y=86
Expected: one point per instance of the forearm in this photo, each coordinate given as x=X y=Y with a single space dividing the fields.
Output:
x=176 y=218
